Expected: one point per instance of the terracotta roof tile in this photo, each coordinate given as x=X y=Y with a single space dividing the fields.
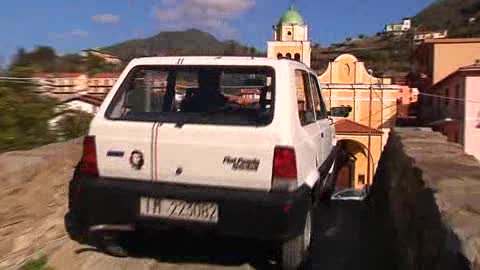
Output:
x=349 y=127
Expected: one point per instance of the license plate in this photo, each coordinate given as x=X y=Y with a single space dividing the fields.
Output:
x=180 y=210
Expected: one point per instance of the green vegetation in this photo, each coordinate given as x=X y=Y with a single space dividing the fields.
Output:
x=189 y=42
x=452 y=15
x=45 y=59
x=25 y=115
x=386 y=55
x=37 y=264
x=95 y=64
x=73 y=124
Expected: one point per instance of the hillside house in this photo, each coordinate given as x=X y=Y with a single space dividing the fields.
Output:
x=421 y=36
x=398 y=28
x=107 y=57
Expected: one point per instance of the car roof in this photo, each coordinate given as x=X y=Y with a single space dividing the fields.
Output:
x=218 y=60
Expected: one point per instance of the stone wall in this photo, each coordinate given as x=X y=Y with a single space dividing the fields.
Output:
x=427 y=193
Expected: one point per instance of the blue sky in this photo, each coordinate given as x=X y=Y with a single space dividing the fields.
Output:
x=70 y=26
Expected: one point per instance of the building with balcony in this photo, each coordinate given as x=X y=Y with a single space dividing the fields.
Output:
x=455 y=112
x=101 y=83
x=407 y=99
x=437 y=59
x=60 y=84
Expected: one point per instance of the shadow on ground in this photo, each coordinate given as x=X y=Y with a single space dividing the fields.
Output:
x=185 y=247
x=345 y=236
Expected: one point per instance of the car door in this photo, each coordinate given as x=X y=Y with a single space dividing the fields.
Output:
x=309 y=148
x=322 y=122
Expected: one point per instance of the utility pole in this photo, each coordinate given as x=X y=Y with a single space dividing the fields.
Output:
x=369 y=155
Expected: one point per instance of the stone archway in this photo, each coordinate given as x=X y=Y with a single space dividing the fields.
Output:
x=353 y=173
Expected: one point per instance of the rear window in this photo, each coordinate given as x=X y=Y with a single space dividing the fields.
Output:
x=196 y=95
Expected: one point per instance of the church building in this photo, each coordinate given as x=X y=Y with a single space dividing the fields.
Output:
x=290 y=38
x=345 y=82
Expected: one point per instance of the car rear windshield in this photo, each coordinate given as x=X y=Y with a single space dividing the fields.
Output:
x=226 y=95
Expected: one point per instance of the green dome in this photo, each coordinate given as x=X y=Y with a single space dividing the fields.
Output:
x=291 y=16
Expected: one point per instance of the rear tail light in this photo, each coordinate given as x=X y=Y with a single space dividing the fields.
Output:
x=88 y=164
x=284 y=177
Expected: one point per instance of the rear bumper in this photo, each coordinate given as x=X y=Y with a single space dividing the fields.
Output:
x=250 y=214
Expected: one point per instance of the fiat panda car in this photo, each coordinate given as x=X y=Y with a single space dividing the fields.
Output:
x=235 y=145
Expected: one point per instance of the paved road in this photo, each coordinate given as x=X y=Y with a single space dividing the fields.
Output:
x=345 y=237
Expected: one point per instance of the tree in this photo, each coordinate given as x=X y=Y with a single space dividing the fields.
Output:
x=95 y=64
x=25 y=114
x=41 y=59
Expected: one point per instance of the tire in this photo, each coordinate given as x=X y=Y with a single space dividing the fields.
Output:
x=295 y=251
x=111 y=244
x=75 y=228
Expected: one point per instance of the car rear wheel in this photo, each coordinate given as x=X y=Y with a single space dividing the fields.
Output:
x=75 y=228
x=295 y=251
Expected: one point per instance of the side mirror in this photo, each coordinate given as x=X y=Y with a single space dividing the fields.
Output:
x=342 y=111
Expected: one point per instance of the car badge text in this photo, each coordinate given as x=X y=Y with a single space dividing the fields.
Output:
x=239 y=163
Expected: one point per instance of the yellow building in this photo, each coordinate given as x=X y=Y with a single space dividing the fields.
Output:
x=435 y=59
x=290 y=38
x=347 y=82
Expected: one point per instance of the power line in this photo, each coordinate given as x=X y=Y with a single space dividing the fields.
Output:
x=451 y=98
x=377 y=112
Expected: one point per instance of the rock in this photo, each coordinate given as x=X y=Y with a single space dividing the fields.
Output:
x=33 y=199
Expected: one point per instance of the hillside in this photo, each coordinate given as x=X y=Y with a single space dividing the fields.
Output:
x=386 y=55
x=453 y=15
x=189 y=42
x=391 y=55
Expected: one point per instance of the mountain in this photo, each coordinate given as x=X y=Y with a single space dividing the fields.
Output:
x=189 y=42
x=460 y=17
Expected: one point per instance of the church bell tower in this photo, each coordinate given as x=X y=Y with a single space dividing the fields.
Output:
x=290 y=38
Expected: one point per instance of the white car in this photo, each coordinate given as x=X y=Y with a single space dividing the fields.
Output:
x=245 y=166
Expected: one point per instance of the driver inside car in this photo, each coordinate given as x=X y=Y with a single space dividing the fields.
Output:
x=208 y=97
